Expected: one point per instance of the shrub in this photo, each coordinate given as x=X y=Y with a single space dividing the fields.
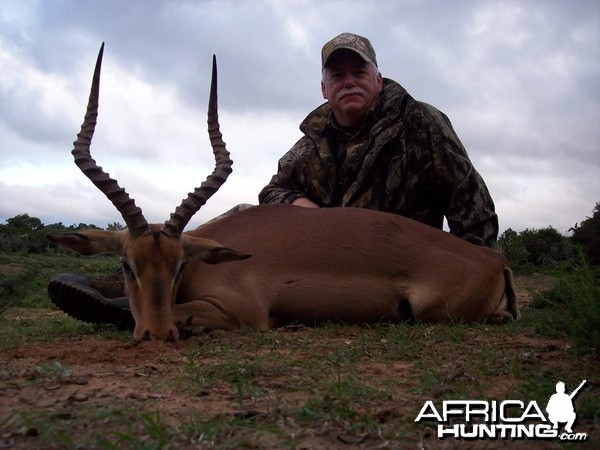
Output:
x=587 y=235
x=572 y=307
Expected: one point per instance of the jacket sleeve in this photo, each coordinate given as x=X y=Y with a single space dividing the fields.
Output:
x=467 y=203
x=288 y=183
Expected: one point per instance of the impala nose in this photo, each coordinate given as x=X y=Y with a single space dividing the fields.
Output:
x=169 y=335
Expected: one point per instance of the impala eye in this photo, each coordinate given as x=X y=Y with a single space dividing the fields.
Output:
x=127 y=270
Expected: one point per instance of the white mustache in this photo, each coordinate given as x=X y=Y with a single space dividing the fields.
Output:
x=353 y=91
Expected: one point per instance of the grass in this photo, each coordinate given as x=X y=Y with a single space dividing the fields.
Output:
x=23 y=279
x=571 y=308
x=333 y=385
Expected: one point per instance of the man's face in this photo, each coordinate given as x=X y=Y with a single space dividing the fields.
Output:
x=351 y=86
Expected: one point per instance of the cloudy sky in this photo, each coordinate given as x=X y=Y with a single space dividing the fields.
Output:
x=520 y=81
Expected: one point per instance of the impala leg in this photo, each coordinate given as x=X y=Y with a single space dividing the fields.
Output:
x=452 y=303
x=500 y=316
x=508 y=308
x=208 y=312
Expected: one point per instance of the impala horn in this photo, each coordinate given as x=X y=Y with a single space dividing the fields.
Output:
x=194 y=201
x=136 y=223
x=133 y=216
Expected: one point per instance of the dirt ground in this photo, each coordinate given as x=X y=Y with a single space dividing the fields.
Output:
x=110 y=373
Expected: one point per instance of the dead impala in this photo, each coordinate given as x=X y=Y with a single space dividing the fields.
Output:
x=289 y=263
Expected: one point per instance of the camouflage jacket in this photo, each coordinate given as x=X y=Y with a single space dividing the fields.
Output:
x=405 y=159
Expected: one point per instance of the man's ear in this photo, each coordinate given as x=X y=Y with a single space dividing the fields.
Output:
x=379 y=81
x=323 y=91
x=211 y=252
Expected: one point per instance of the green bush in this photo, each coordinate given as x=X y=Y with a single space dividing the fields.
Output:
x=587 y=235
x=572 y=307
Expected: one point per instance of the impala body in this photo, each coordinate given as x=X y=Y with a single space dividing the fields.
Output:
x=348 y=264
x=273 y=264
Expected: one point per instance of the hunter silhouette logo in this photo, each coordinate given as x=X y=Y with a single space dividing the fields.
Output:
x=560 y=407
x=505 y=419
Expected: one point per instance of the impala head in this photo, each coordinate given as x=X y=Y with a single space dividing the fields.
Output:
x=153 y=256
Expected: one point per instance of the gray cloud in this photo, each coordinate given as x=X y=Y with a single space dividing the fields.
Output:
x=519 y=80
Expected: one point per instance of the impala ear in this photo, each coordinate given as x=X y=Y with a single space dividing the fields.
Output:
x=211 y=252
x=91 y=242
x=223 y=254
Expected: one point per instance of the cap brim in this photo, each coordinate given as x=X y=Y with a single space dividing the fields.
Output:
x=364 y=57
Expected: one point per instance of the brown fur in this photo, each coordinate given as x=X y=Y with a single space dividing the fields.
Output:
x=307 y=265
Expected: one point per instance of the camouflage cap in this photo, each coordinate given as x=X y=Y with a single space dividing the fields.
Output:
x=349 y=41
